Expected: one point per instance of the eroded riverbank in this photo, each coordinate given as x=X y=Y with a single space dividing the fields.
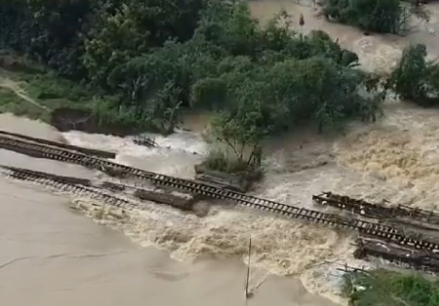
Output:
x=83 y=262
x=393 y=159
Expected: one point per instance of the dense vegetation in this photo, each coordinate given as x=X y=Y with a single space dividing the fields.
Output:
x=149 y=59
x=415 y=78
x=387 y=288
x=143 y=61
x=382 y=16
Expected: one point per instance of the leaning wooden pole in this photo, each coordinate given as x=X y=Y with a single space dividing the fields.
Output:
x=247 y=293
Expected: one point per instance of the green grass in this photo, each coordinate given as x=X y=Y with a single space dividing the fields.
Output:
x=41 y=85
x=44 y=88
x=11 y=103
x=388 y=288
x=47 y=87
x=52 y=92
x=218 y=160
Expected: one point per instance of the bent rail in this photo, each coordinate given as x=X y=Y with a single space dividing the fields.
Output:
x=417 y=260
x=94 y=152
x=373 y=210
x=377 y=230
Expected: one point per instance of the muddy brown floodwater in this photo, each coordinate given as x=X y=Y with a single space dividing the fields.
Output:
x=51 y=254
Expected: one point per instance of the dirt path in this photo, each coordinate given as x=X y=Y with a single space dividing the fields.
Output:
x=20 y=92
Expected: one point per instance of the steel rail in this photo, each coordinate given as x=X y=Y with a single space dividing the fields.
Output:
x=68 y=184
x=378 y=230
x=372 y=210
x=94 y=152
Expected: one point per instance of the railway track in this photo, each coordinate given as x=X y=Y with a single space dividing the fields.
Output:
x=93 y=152
x=406 y=257
x=414 y=259
x=76 y=186
x=372 y=210
x=381 y=231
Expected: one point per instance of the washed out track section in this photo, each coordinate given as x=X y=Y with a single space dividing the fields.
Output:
x=367 y=246
x=383 y=232
x=378 y=211
x=93 y=152
x=76 y=186
x=400 y=256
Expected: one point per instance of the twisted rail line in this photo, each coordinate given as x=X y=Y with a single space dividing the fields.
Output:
x=415 y=259
x=372 y=210
x=381 y=231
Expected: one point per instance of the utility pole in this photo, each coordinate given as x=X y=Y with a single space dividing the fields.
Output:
x=247 y=293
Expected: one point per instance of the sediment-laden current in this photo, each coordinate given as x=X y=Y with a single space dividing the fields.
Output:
x=51 y=254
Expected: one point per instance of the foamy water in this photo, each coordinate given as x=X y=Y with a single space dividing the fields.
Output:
x=83 y=262
x=394 y=159
x=281 y=247
x=184 y=149
x=181 y=141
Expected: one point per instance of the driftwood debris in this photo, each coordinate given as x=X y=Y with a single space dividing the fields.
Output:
x=222 y=180
x=142 y=140
x=184 y=202
x=350 y=269
x=112 y=186
x=114 y=171
x=161 y=196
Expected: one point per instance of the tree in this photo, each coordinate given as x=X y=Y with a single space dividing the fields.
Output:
x=317 y=89
x=230 y=26
x=114 y=40
x=151 y=58
x=385 y=16
x=415 y=78
x=48 y=31
x=162 y=110
x=242 y=131
x=209 y=92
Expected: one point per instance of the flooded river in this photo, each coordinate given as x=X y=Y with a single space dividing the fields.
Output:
x=52 y=255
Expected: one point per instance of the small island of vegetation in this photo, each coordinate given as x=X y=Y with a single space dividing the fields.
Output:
x=388 y=288
x=131 y=66
x=391 y=16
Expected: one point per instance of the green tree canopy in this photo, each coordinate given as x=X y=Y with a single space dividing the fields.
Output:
x=415 y=78
x=156 y=57
x=384 y=16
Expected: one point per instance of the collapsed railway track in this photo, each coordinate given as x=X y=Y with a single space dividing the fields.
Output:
x=93 y=152
x=372 y=210
x=76 y=186
x=366 y=246
x=407 y=258
x=380 y=231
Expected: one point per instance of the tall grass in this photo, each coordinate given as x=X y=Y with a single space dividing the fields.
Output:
x=388 y=288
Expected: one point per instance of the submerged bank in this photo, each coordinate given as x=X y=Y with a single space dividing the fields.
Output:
x=41 y=236
x=132 y=227
x=393 y=160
